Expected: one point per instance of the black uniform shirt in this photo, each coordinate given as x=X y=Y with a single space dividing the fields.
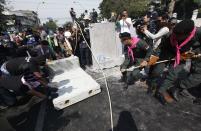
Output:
x=18 y=66
x=14 y=84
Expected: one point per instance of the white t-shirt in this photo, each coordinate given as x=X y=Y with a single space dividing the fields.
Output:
x=67 y=34
x=124 y=26
x=86 y=16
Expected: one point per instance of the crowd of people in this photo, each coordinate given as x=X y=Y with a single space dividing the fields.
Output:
x=88 y=17
x=165 y=54
x=162 y=51
x=23 y=66
x=24 y=57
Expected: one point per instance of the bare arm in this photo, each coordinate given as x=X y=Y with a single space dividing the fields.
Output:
x=128 y=22
x=41 y=79
x=159 y=34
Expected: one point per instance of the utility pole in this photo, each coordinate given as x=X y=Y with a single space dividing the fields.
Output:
x=171 y=7
x=37 y=9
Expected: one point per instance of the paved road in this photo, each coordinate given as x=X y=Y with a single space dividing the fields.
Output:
x=133 y=110
x=20 y=118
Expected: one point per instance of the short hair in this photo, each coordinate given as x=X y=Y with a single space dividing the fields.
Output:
x=184 y=27
x=125 y=35
x=39 y=60
x=165 y=16
x=125 y=10
x=148 y=14
x=60 y=29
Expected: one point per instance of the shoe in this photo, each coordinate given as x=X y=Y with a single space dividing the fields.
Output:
x=152 y=89
x=83 y=67
x=161 y=98
x=175 y=93
x=164 y=98
x=125 y=86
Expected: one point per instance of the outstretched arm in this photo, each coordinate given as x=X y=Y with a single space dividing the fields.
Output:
x=159 y=34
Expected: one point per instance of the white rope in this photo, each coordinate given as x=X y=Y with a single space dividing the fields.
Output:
x=105 y=79
x=76 y=38
x=111 y=74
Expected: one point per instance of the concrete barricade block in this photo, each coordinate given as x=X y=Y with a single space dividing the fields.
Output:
x=106 y=45
x=74 y=84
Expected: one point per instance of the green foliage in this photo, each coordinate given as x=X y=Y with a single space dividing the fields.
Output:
x=51 y=25
x=68 y=24
x=134 y=7
x=198 y=2
x=2 y=17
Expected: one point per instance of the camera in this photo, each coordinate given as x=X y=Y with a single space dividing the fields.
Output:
x=139 y=23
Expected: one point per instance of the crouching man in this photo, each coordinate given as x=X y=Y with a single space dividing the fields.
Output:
x=137 y=53
x=18 y=66
x=184 y=44
x=13 y=86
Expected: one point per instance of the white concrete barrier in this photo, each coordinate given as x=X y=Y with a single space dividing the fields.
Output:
x=106 y=45
x=74 y=84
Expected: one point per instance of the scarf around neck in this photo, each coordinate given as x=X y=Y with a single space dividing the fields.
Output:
x=134 y=40
x=174 y=43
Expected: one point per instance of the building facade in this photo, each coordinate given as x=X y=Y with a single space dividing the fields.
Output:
x=20 y=20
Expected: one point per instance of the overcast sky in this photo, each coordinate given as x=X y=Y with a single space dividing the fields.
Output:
x=56 y=9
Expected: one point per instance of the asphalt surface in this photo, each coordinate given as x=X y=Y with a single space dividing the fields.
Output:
x=133 y=110
x=22 y=117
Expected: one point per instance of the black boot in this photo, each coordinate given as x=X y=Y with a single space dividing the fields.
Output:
x=152 y=89
x=125 y=86
x=164 y=98
x=161 y=98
